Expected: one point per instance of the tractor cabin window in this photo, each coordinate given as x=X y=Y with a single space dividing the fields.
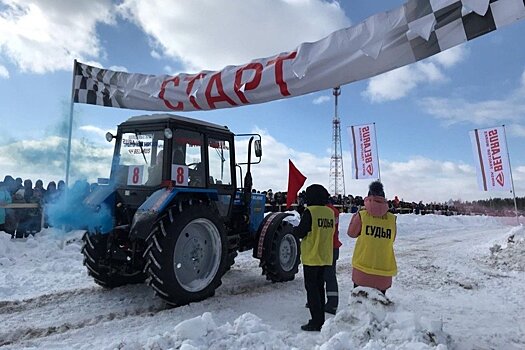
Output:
x=140 y=158
x=187 y=168
x=219 y=156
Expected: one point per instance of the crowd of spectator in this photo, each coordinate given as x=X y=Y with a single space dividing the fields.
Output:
x=351 y=204
x=24 y=220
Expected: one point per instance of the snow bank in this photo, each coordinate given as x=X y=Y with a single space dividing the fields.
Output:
x=509 y=255
x=372 y=321
x=246 y=332
x=48 y=262
x=366 y=323
x=412 y=223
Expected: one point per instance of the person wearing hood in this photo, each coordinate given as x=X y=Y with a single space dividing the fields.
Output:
x=316 y=229
x=5 y=198
x=374 y=261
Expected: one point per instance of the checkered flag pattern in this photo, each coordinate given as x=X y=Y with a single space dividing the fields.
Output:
x=453 y=22
x=95 y=86
x=386 y=41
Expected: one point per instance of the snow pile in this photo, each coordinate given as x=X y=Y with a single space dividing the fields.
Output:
x=509 y=255
x=247 y=332
x=372 y=321
x=368 y=322
x=42 y=264
x=412 y=223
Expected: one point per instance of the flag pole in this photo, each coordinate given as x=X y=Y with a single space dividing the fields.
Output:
x=377 y=151
x=511 y=179
x=70 y=132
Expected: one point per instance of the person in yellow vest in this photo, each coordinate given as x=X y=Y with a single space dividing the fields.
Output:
x=316 y=229
x=374 y=261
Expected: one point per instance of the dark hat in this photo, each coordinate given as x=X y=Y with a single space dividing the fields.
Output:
x=376 y=189
x=316 y=195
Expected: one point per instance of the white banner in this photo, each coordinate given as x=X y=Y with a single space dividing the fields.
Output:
x=491 y=158
x=365 y=163
x=388 y=40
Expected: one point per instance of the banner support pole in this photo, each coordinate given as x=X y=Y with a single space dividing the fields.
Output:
x=511 y=178
x=70 y=131
x=377 y=152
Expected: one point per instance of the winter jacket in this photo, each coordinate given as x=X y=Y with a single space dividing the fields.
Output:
x=5 y=198
x=377 y=207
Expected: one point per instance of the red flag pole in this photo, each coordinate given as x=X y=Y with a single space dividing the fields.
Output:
x=295 y=181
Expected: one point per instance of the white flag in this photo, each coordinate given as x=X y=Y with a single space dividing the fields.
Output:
x=385 y=41
x=491 y=158
x=366 y=160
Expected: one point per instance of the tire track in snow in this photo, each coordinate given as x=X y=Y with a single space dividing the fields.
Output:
x=28 y=333
x=11 y=306
x=62 y=312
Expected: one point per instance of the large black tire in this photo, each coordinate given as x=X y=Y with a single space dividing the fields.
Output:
x=233 y=246
x=186 y=254
x=96 y=260
x=281 y=264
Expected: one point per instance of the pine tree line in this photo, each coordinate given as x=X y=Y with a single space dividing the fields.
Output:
x=499 y=203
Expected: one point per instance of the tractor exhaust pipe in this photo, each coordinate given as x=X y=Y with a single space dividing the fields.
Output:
x=248 y=178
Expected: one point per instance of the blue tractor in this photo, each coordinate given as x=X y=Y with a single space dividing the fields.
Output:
x=174 y=215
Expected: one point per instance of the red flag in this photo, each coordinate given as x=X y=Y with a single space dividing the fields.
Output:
x=295 y=182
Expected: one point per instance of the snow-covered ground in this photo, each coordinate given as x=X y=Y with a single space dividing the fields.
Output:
x=460 y=285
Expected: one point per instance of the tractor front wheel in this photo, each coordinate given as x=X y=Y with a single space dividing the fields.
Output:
x=281 y=264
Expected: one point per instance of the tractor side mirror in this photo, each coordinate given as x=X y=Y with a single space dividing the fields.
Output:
x=109 y=136
x=258 y=148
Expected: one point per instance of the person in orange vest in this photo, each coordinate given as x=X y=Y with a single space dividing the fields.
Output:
x=374 y=261
x=316 y=231
x=330 y=278
x=396 y=202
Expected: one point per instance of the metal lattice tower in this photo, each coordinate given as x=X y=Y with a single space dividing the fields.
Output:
x=337 y=174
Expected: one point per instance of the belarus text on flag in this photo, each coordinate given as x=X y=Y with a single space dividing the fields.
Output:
x=365 y=155
x=388 y=40
x=492 y=160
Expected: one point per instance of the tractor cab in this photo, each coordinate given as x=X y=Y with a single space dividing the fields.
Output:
x=193 y=158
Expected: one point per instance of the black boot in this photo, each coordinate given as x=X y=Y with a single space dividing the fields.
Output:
x=330 y=309
x=310 y=327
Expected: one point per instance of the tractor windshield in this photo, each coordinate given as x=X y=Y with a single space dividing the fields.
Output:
x=140 y=158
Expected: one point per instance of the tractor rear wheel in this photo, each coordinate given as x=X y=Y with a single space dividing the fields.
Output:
x=282 y=262
x=98 y=262
x=186 y=254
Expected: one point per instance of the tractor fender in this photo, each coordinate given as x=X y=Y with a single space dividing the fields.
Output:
x=155 y=205
x=265 y=233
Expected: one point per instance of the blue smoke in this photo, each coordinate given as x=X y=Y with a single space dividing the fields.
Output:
x=79 y=209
